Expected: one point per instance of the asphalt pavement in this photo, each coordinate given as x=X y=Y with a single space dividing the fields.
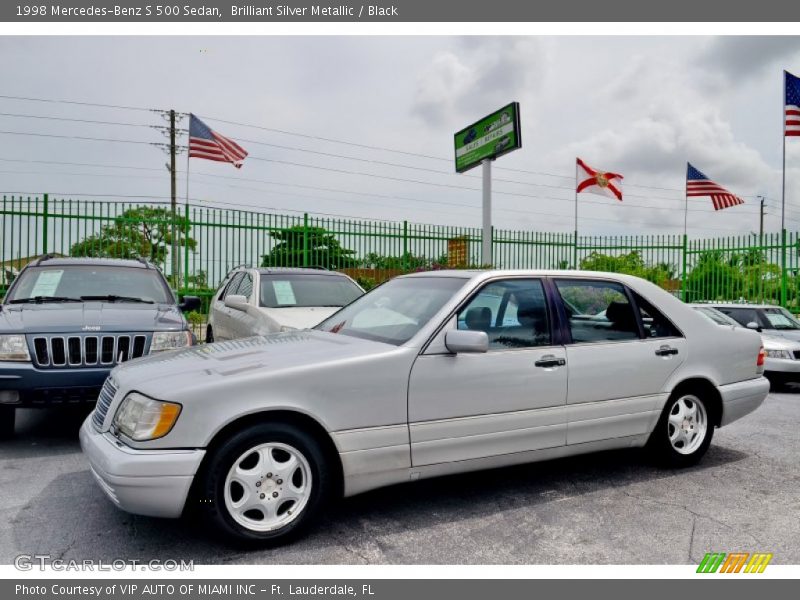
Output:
x=607 y=508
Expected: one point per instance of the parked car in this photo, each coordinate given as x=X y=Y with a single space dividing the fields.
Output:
x=782 y=363
x=270 y=300
x=66 y=322
x=765 y=318
x=425 y=375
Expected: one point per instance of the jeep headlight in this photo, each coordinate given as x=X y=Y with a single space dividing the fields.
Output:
x=142 y=418
x=14 y=347
x=774 y=353
x=170 y=340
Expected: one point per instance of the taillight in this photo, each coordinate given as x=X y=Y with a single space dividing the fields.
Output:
x=761 y=356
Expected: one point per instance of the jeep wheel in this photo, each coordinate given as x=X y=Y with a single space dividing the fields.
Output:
x=265 y=484
x=7 y=418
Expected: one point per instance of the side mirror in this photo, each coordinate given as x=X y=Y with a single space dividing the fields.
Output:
x=459 y=341
x=189 y=304
x=236 y=302
x=753 y=325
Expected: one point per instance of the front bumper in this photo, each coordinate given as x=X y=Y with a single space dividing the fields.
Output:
x=154 y=483
x=789 y=368
x=741 y=398
x=28 y=386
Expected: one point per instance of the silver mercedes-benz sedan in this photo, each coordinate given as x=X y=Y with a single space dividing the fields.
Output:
x=428 y=374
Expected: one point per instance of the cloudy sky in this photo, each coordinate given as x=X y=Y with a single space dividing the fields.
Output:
x=362 y=126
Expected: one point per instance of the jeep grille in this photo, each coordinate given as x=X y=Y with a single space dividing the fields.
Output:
x=87 y=351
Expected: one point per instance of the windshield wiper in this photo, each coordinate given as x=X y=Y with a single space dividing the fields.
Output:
x=41 y=299
x=114 y=298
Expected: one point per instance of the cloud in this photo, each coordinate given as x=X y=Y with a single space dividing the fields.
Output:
x=478 y=75
x=739 y=58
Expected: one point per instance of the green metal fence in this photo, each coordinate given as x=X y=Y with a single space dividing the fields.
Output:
x=211 y=241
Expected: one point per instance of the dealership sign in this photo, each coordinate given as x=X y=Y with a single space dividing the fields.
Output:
x=492 y=136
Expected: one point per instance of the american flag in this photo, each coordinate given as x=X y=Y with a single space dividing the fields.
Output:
x=698 y=184
x=205 y=143
x=792 y=123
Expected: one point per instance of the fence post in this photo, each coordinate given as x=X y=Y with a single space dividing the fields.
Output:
x=405 y=245
x=783 y=268
x=45 y=212
x=683 y=267
x=305 y=239
x=186 y=250
x=575 y=251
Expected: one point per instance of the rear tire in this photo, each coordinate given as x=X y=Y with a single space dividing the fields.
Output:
x=684 y=430
x=265 y=484
x=7 y=419
x=209 y=335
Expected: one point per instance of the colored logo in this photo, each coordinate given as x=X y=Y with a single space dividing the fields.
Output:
x=735 y=562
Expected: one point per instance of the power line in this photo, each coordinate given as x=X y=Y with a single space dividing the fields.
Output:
x=293 y=133
x=76 y=137
x=75 y=102
x=92 y=121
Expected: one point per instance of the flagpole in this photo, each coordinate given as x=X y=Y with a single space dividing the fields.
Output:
x=686 y=201
x=186 y=243
x=783 y=199
x=575 y=248
x=685 y=226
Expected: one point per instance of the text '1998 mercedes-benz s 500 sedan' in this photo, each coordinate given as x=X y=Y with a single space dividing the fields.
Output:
x=428 y=374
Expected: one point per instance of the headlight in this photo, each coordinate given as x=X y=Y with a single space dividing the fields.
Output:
x=170 y=340
x=142 y=418
x=771 y=353
x=14 y=347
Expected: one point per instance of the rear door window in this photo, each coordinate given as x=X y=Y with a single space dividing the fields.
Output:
x=654 y=323
x=597 y=311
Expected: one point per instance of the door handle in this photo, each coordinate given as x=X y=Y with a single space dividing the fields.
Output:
x=549 y=361
x=666 y=351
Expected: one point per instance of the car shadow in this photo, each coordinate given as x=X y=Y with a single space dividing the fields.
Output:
x=86 y=525
x=54 y=429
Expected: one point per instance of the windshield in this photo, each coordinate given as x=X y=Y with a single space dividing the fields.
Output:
x=289 y=290
x=90 y=282
x=716 y=316
x=780 y=318
x=395 y=311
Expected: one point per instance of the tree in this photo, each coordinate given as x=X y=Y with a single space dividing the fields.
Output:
x=300 y=246
x=714 y=278
x=142 y=232
x=631 y=263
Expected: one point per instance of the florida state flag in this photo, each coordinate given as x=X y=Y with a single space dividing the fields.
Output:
x=599 y=182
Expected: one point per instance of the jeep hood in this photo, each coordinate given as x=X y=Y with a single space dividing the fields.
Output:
x=71 y=317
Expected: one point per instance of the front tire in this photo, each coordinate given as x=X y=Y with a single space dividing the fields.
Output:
x=209 y=335
x=683 y=432
x=7 y=419
x=265 y=484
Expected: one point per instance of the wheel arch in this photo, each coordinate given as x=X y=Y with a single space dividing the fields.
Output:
x=298 y=419
x=709 y=391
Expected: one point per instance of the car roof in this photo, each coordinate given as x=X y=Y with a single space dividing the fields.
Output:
x=737 y=305
x=297 y=271
x=491 y=273
x=91 y=262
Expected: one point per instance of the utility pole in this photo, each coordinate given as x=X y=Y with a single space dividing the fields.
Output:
x=761 y=250
x=174 y=201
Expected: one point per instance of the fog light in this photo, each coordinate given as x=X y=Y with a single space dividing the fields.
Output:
x=9 y=396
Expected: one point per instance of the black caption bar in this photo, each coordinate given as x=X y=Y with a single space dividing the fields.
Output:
x=496 y=11
x=393 y=589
